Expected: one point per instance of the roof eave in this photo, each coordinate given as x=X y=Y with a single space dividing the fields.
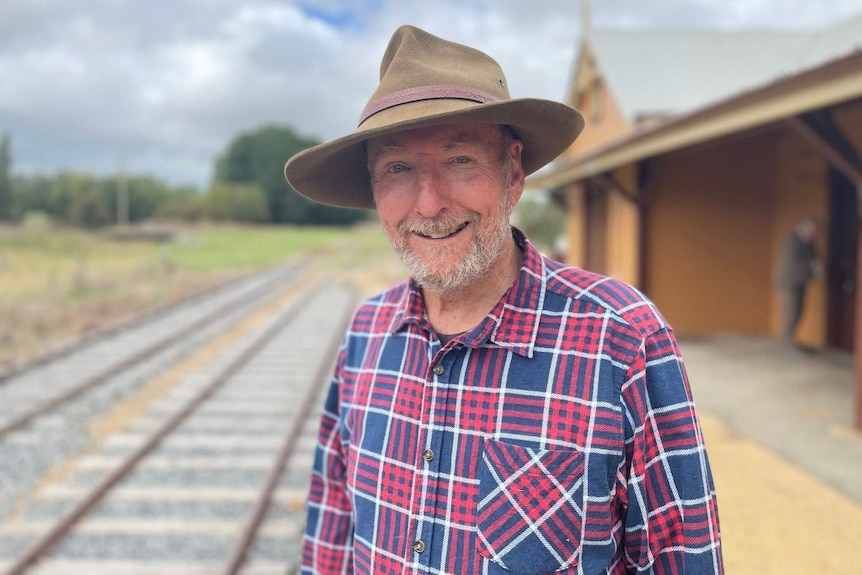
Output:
x=836 y=81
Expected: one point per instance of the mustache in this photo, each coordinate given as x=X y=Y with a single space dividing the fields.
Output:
x=436 y=226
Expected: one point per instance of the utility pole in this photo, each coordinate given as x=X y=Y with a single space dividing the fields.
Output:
x=122 y=197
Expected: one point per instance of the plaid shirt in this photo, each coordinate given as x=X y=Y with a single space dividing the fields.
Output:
x=558 y=435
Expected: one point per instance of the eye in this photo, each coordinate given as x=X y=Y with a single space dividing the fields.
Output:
x=462 y=160
x=397 y=168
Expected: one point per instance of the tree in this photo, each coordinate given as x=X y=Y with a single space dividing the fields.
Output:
x=87 y=210
x=258 y=157
x=33 y=194
x=184 y=204
x=80 y=202
x=144 y=195
x=84 y=200
x=542 y=219
x=238 y=203
x=6 y=198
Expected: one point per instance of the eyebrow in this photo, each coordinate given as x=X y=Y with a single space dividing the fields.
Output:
x=382 y=150
x=387 y=148
x=460 y=140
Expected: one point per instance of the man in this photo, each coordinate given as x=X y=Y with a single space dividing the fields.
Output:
x=797 y=266
x=500 y=412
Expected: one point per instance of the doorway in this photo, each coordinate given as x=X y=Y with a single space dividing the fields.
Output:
x=841 y=264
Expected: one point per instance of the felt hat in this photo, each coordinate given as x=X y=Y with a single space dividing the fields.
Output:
x=425 y=81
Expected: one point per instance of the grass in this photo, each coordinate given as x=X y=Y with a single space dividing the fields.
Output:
x=246 y=248
x=57 y=284
x=64 y=263
x=36 y=264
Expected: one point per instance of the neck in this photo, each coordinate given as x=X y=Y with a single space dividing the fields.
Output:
x=459 y=310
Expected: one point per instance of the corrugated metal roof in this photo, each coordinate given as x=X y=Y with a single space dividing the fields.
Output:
x=675 y=71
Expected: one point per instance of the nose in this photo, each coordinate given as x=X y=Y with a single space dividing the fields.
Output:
x=432 y=195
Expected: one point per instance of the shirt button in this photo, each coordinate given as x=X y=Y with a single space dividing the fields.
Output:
x=439 y=369
x=428 y=455
x=419 y=546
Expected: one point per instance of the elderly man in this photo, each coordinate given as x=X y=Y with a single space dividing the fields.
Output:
x=499 y=412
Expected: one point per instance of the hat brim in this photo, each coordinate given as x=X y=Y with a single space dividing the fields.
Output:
x=336 y=173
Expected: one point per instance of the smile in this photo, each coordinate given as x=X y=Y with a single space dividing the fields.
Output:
x=441 y=236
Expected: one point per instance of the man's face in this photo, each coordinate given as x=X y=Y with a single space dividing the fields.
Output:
x=444 y=200
x=808 y=229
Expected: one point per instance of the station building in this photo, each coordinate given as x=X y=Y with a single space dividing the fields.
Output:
x=702 y=151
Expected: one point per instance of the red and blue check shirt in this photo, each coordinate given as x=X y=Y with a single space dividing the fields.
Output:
x=558 y=435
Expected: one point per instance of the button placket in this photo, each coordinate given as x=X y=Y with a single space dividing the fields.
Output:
x=430 y=460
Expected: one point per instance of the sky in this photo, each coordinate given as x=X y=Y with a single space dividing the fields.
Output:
x=161 y=87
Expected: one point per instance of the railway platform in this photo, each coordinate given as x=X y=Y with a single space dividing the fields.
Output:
x=786 y=461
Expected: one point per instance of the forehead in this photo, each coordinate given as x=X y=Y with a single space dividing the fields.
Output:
x=437 y=137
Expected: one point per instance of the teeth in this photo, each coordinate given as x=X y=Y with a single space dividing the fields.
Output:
x=441 y=235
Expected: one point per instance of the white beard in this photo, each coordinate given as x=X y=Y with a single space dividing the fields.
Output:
x=484 y=250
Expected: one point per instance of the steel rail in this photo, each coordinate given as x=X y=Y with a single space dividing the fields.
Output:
x=29 y=415
x=48 y=541
x=17 y=368
x=321 y=377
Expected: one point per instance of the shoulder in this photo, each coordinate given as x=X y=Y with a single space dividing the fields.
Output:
x=625 y=303
x=580 y=294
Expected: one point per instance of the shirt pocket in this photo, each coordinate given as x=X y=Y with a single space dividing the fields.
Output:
x=531 y=507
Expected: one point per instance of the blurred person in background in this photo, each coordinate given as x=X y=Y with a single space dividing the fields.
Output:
x=499 y=412
x=797 y=266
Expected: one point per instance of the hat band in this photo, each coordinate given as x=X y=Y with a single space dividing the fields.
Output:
x=425 y=93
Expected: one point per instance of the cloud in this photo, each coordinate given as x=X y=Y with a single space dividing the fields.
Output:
x=162 y=86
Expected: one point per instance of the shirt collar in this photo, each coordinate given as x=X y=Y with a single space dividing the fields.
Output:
x=512 y=323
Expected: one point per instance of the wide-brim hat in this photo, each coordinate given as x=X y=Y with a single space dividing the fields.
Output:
x=426 y=81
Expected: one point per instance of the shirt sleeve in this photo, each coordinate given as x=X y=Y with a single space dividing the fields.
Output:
x=327 y=547
x=671 y=517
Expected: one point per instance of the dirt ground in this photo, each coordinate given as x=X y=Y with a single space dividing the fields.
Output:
x=45 y=308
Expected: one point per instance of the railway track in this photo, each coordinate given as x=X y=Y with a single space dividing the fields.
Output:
x=44 y=410
x=48 y=385
x=212 y=477
x=174 y=489
x=57 y=351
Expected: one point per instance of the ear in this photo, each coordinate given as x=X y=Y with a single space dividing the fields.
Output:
x=516 y=188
